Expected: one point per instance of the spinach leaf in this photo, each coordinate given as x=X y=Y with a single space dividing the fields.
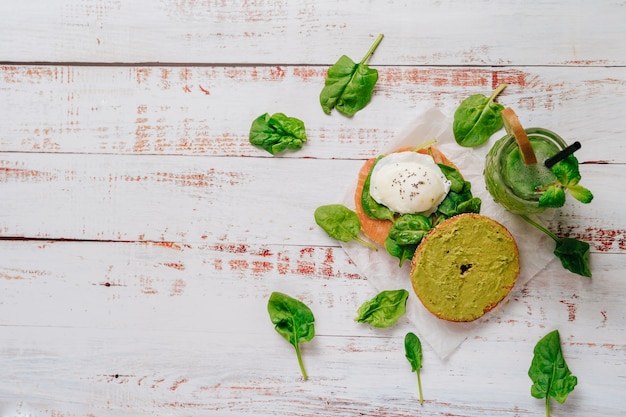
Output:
x=458 y=203
x=410 y=229
x=573 y=253
x=477 y=118
x=457 y=183
x=413 y=353
x=370 y=206
x=405 y=234
x=349 y=86
x=293 y=320
x=384 y=310
x=277 y=133
x=550 y=375
x=469 y=206
x=340 y=223
x=459 y=199
x=402 y=252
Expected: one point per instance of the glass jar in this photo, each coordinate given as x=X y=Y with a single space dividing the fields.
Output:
x=514 y=185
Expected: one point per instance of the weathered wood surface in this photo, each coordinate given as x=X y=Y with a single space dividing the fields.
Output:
x=425 y=32
x=141 y=234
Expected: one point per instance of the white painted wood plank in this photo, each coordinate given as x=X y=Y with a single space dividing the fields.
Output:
x=171 y=198
x=194 y=199
x=449 y=32
x=179 y=229
x=350 y=376
x=163 y=357
x=208 y=111
x=184 y=287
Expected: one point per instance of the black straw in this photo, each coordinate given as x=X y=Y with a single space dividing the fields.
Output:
x=550 y=162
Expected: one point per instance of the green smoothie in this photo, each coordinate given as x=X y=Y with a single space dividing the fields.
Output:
x=516 y=186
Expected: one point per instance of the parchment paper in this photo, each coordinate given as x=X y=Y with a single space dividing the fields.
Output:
x=382 y=270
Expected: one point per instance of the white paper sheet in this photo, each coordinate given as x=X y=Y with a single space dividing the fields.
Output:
x=382 y=270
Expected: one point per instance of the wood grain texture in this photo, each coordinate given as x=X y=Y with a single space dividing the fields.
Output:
x=193 y=362
x=141 y=234
x=425 y=32
x=190 y=199
x=209 y=110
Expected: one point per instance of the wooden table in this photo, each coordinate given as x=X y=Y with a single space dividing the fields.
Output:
x=142 y=234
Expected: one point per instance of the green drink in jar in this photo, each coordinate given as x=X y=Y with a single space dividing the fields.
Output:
x=514 y=184
x=529 y=170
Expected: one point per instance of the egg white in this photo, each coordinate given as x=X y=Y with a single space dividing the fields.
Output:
x=408 y=182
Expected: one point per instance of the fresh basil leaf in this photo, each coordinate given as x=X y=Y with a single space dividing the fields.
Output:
x=413 y=353
x=477 y=118
x=277 y=133
x=550 y=375
x=340 y=223
x=349 y=86
x=370 y=206
x=384 y=310
x=293 y=320
x=574 y=255
x=553 y=196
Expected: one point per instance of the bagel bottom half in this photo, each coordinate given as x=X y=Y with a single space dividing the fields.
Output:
x=465 y=267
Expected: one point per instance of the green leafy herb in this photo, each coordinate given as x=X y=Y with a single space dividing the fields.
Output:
x=413 y=352
x=573 y=253
x=277 y=133
x=370 y=206
x=459 y=199
x=384 y=310
x=550 y=375
x=457 y=183
x=567 y=178
x=293 y=320
x=340 y=223
x=402 y=252
x=405 y=234
x=477 y=118
x=552 y=197
x=349 y=86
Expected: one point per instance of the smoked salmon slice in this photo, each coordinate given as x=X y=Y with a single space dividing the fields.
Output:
x=378 y=230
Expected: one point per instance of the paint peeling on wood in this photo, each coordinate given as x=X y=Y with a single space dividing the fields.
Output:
x=136 y=214
x=309 y=261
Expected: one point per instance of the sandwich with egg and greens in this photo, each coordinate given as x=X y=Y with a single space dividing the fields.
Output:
x=415 y=203
x=401 y=196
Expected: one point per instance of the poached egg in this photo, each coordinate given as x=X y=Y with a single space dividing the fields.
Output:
x=408 y=182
